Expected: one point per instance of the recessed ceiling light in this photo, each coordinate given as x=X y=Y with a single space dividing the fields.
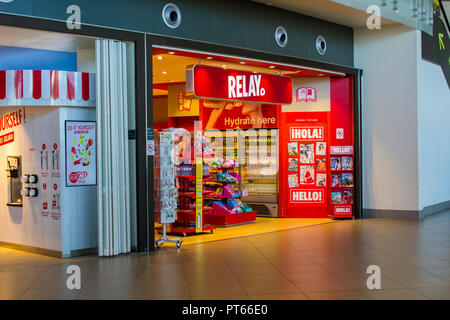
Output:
x=320 y=74
x=209 y=58
x=171 y=52
x=164 y=72
x=272 y=67
x=159 y=58
x=224 y=66
x=242 y=62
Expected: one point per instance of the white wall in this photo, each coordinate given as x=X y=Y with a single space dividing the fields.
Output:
x=434 y=135
x=388 y=58
x=73 y=226
x=31 y=225
x=86 y=60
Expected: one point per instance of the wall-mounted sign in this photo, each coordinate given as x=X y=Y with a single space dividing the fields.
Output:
x=222 y=114
x=341 y=150
x=306 y=94
x=307 y=133
x=214 y=83
x=179 y=104
x=12 y=119
x=6 y=138
x=343 y=211
x=436 y=48
x=81 y=156
x=311 y=196
x=310 y=94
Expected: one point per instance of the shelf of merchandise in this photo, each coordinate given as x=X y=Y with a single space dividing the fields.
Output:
x=342 y=188
x=227 y=220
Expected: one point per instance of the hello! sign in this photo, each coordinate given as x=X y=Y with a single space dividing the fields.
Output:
x=214 y=83
x=307 y=196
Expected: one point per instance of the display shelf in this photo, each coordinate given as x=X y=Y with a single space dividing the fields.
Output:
x=193 y=177
x=192 y=211
x=227 y=220
x=221 y=197
x=184 y=230
x=191 y=194
x=340 y=187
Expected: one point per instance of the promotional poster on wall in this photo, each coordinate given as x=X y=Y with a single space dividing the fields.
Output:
x=81 y=157
x=335 y=163
x=307 y=153
x=292 y=149
x=293 y=180
x=321 y=180
x=347 y=196
x=293 y=165
x=347 y=163
x=306 y=174
x=321 y=165
x=321 y=148
x=347 y=179
x=336 y=180
x=336 y=197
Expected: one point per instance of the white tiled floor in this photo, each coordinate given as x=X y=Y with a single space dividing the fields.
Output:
x=326 y=261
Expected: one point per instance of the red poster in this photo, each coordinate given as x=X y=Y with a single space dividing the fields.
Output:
x=207 y=82
x=306 y=165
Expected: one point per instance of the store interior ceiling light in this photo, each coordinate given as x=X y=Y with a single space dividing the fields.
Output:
x=175 y=65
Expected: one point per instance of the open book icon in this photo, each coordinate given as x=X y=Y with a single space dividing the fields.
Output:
x=306 y=94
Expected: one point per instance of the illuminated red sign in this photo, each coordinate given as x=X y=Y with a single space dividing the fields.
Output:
x=206 y=82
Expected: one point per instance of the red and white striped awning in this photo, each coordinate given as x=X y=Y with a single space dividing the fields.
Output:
x=47 y=88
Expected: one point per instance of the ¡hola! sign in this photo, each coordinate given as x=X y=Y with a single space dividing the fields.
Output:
x=214 y=83
x=307 y=133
